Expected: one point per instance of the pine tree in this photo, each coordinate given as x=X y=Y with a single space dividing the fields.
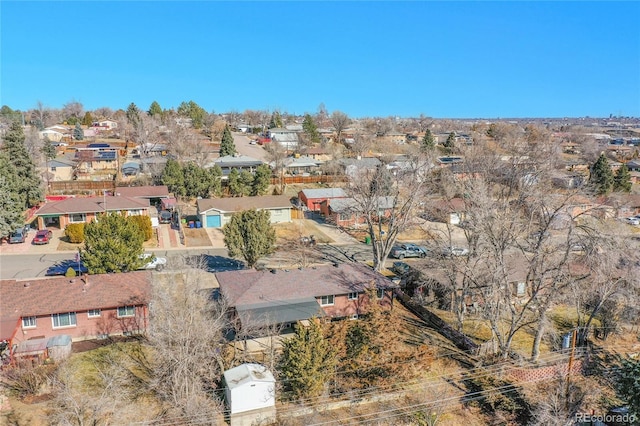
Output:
x=112 y=244
x=27 y=182
x=428 y=141
x=215 y=181
x=249 y=234
x=78 y=133
x=449 y=144
x=240 y=183
x=310 y=128
x=622 y=179
x=87 y=120
x=227 y=146
x=276 y=121
x=47 y=149
x=261 y=180
x=154 y=109
x=133 y=114
x=307 y=362
x=173 y=177
x=601 y=176
x=11 y=201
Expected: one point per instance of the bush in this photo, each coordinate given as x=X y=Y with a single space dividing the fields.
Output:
x=24 y=380
x=144 y=223
x=70 y=272
x=75 y=232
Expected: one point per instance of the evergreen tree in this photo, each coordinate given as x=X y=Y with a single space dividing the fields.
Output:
x=155 y=110
x=192 y=110
x=173 y=177
x=78 y=133
x=27 y=182
x=601 y=176
x=215 y=179
x=307 y=362
x=47 y=149
x=133 y=114
x=628 y=384
x=276 y=121
x=227 y=146
x=428 y=141
x=249 y=234
x=449 y=144
x=310 y=128
x=112 y=244
x=196 y=181
x=240 y=183
x=622 y=179
x=11 y=201
x=261 y=180
x=87 y=120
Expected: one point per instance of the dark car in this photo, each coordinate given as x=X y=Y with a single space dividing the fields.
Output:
x=62 y=267
x=18 y=236
x=165 y=216
x=43 y=236
x=400 y=268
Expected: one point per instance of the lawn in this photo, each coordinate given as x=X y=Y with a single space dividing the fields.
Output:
x=293 y=231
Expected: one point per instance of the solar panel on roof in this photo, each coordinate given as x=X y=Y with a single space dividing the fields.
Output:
x=106 y=155
x=98 y=145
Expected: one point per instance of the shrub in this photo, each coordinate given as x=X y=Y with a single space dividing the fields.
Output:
x=24 y=380
x=75 y=232
x=144 y=223
x=70 y=272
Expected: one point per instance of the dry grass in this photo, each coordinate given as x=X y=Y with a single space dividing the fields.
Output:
x=293 y=231
x=196 y=237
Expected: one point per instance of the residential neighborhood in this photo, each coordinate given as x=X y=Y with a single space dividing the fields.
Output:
x=390 y=247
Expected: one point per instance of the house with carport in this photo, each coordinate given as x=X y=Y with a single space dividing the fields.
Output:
x=216 y=212
x=266 y=298
x=86 y=307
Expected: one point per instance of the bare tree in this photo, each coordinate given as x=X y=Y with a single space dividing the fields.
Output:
x=339 y=120
x=41 y=116
x=103 y=113
x=73 y=109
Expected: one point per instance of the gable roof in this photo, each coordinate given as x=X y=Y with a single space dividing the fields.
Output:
x=46 y=296
x=237 y=161
x=237 y=204
x=91 y=205
x=252 y=288
x=350 y=204
x=150 y=191
x=324 y=193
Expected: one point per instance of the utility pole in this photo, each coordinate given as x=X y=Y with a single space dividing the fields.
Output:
x=570 y=365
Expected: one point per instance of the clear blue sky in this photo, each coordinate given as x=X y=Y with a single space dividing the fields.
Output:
x=366 y=58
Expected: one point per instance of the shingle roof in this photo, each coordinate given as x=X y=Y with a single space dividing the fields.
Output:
x=244 y=203
x=92 y=205
x=45 y=296
x=160 y=191
x=324 y=193
x=250 y=287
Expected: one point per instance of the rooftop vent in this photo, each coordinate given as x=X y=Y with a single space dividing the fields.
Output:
x=273 y=271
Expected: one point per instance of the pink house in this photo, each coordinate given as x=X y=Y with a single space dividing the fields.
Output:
x=88 y=307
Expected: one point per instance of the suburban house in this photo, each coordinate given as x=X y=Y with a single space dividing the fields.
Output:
x=216 y=212
x=96 y=158
x=85 y=209
x=287 y=138
x=345 y=212
x=88 y=307
x=59 y=169
x=393 y=137
x=154 y=193
x=238 y=162
x=318 y=153
x=299 y=165
x=51 y=134
x=105 y=124
x=264 y=298
x=313 y=198
x=355 y=167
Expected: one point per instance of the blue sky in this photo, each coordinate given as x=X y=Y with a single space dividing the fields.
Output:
x=367 y=58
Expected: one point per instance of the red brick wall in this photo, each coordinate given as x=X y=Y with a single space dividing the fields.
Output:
x=343 y=307
x=544 y=373
x=85 y=328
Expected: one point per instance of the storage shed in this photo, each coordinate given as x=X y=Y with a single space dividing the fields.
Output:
x=59 y=347
x=250 y=394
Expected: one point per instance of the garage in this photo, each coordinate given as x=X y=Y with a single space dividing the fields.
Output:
x=213 y=221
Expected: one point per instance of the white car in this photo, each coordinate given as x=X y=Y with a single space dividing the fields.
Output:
x=633 y=221
x=158 y=263
x=455 y=251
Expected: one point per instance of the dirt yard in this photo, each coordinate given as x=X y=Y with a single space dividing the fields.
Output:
x=196 y=237
x=293 y=231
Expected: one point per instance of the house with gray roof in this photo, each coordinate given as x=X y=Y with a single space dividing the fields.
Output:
x=238 y=162
x=313 y=198
x=85 y=209
x=346 y=212
x=216 y=212
x=261 y=298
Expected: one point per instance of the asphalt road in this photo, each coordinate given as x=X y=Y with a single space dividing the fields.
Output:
x=245 y=148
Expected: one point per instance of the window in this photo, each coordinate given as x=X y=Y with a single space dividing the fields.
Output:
x=380 y=293
x=64 y=320
x=344 y=216
x=93 y=313
x=326 y=300
x=77 y=218
x=353 y=317
x=137 y=212
x=126 y=311
x=353 y=296
x=28 y=322
x=53 y=169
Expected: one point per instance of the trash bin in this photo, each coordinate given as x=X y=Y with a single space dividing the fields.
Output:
x=198 y=224
x=367 y=240
x=191 y=224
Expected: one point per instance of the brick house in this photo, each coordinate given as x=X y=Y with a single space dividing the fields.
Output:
x=313 y=198
x=88 y=307
x=283 y=297
x=345 y=212
x=85 y=209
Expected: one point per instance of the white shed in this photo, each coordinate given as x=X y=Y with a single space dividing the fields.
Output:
x=250 y=393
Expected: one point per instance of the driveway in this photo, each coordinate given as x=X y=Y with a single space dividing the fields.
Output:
x=245 y=148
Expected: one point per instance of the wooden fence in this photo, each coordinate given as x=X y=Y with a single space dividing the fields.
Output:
x=69 y=186
x=308 y=179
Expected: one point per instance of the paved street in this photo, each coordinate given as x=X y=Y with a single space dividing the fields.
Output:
x=245 y=148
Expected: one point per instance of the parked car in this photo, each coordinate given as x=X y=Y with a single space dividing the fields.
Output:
x=153 y=262
x=18 y=236
x=408 y=250
x=400 y=268
x=43 y=236
x=61 y=268
x=633 y=221
x=455 y=251
x=165 y=216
